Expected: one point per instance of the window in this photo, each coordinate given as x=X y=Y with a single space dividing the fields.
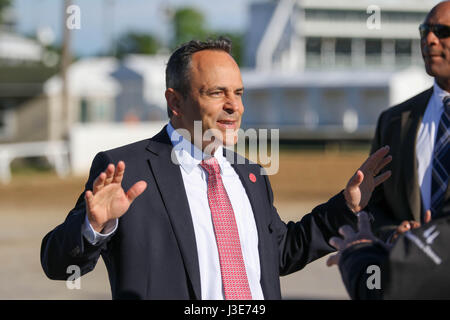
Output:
x=313 y=51
x=343 y=52
x=403 y=51
x=373 y=51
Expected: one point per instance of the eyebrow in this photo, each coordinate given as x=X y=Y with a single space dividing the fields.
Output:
x=202 y=90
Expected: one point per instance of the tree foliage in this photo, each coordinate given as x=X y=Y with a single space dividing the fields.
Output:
x=3 y=5
x=135 y=42
x=188 y=24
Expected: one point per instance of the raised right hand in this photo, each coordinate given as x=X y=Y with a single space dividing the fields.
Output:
x=108 y=201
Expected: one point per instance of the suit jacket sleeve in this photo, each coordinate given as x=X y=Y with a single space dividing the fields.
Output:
x=302 y=242
x=384 y=224
x=65 y=245
x=353 y=265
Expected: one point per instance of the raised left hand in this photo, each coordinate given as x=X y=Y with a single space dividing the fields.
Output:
x=359 y=188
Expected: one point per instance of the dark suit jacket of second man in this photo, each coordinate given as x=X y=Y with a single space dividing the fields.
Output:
x=399 y=198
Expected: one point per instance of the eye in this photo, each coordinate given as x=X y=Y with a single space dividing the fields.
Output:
x=216 y=93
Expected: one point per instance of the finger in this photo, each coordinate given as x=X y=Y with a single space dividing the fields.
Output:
x=347 y=231
x=337 y=243
x=356 y=180
x=427 y=216
x=88 y=197
x=364 y=223
x=403 y=227
x=136 y=190
x=333 y=260
x=382 y=178
x=118 y=174
x=373 y=161
x=109 y=174
x=414 y=224
x=99 y=182
x=383 y=163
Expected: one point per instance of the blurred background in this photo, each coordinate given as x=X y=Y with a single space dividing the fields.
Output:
x=81 y=76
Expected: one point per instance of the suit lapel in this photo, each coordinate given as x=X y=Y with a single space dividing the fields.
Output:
x=170 y=184
x=258 y=206
x=410 y=123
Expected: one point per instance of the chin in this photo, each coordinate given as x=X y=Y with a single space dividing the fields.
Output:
x=437 y=70
x=228 y=140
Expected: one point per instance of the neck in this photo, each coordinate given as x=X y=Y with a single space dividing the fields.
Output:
x=208 y=147
x=444 y=83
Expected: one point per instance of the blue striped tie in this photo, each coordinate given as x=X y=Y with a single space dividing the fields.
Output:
x=441 y=160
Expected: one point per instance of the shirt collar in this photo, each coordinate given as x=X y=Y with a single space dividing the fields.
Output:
x=438 y=95
x=188 y=155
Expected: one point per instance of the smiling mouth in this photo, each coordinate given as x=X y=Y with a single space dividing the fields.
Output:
x=433 y=55
x=227 y=124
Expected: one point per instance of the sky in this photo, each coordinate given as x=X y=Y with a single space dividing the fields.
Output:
x=101 y=20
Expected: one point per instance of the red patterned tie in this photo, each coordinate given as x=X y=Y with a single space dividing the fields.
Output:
x=232 y=267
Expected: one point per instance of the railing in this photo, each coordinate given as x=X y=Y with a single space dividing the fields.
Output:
x=56 y=152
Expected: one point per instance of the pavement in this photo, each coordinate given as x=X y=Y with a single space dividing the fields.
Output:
x=21 y=275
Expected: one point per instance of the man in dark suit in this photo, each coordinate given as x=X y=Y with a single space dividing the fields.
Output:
x=196 y=222
x=411 y=129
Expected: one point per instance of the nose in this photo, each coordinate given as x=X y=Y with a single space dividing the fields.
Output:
x=430 y=38
x=232 y=104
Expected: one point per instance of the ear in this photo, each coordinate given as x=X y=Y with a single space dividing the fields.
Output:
x=174 y=101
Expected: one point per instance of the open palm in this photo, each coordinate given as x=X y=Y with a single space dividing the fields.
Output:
x=108 y=201
x=360 y=187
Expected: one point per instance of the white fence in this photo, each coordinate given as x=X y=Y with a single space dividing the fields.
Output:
x=76 y=156
x=86 y=140
x=56 y=152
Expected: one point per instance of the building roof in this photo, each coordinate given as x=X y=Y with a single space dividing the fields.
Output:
x=17 y=47
x=23 y=80
x=88 y=77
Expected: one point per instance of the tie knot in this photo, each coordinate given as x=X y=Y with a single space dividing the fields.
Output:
x=211 y=165
x=446 y=101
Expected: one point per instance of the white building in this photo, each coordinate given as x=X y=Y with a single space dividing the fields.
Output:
x=18 y=49
x=325 y=69
x=294 y=35
x=104 y=90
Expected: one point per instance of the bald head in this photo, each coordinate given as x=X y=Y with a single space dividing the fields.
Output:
x=436 y=50
x=441 y=11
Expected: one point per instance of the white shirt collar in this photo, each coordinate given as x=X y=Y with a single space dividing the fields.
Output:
x=188 y=155
x=438 y=95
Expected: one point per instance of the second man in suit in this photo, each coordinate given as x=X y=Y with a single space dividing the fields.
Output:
x=418 y=133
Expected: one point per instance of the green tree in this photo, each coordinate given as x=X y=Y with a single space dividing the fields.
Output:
x=3 y=5
x=188 y=24
x=237 y=40
x=135 y=42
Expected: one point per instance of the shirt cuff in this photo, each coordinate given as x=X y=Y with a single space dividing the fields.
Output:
x=94 y=237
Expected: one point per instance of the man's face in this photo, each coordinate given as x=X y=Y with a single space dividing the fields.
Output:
x=435 y=51
x=215 y=96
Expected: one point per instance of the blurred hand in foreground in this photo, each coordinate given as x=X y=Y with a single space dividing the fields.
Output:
x=364 y=234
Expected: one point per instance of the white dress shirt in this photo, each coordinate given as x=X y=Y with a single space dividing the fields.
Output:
x=195 y=180
x=425 y=142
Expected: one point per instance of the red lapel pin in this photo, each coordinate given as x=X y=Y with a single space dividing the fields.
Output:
x=252 y=177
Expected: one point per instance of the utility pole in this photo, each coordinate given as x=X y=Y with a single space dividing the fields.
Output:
x=108 y=26
x=65 y=63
